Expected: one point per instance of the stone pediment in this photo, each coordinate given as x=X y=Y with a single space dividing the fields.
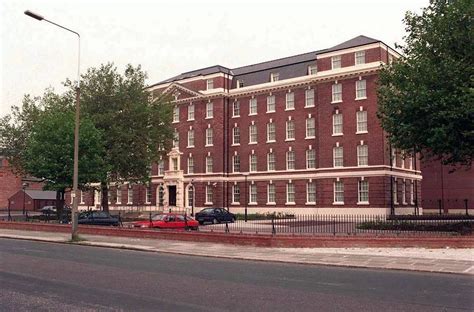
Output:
x=180 y=92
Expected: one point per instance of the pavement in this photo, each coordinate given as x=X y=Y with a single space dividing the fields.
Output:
x=457 y=261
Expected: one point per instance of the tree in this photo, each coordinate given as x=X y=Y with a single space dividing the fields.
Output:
x=134 y=125
x=426 y=96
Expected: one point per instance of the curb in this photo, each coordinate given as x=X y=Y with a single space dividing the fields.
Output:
x=183 y=253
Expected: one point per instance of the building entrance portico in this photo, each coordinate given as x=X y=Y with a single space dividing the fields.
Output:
x=170 y=193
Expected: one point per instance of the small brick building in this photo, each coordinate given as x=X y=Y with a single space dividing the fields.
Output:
x=33 y=200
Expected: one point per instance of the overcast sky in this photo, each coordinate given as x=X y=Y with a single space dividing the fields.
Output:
x=171 y=37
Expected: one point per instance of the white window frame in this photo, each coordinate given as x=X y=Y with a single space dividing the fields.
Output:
x=338 y=193
x=253 y=163
x=253 y=107
x=290 y=101
x=274 y=76
x=209 y=84
x=310 y=159
x=176 y=114
x=337 y=124
x=362 y=155
x=271 y=164
x=310 y=128
x=236 y=163
x=236 y=136
x=190 y=166
x=209 y=164
x=359 y=57
x=209 y=195
x=290 y=130
x=209 y=137
x=130 y=195
x=191 y=112
x=271 y=106
x=312 y=69
x=395 y=191
x=361 y=89
x=361 y=191
x=161 y=167
x=118 y=195
x=236 y=109
x=310 y=189
x=148 y=194
x=336 y=62
x=361 y=120
x=271 y=132
x=253 y=135
x=309 y=98
x=290 y=160
x=252 y=194
x=404 y=192
x=209 y=110
x=412 y=192
x=336 y=93
x=338 y=158
x=290 y=193
x=235 y=194
x=176 y=138
x=271 y=195
x=190 y=138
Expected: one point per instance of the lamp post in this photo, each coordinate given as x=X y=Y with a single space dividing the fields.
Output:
x=23 y=186
x=246 y=196
x=76 y=123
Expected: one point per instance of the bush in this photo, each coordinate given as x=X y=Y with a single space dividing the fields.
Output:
x=265 y=216
x=462 y=227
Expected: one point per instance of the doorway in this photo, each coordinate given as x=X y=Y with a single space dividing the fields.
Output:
x=172 y=195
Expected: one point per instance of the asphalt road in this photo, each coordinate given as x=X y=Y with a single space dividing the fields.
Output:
x=56 y=277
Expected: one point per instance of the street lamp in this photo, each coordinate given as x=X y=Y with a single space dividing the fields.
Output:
x=23 y=186
x=76 y=124
x=246 y=195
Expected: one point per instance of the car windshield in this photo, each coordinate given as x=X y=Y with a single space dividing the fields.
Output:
x=158 y=217
x=207 y=211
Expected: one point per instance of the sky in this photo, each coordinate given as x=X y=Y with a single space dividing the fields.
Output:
x=170 y=37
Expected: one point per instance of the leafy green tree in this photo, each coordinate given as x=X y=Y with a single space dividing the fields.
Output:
x=426 y=96
x=134 y=125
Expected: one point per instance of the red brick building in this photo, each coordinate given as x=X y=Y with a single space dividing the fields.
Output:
x=296 y=134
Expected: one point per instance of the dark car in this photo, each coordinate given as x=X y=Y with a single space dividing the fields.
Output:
x=97 y=218
x=214 y=215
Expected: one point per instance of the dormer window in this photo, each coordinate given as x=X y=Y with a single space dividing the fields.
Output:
x=312 y=70
x=274 y=77
x=210 y=84
x=336 y=62
x=240 y=84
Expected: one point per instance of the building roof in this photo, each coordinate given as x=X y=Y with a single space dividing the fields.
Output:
x=285 y=61
x=41 y=194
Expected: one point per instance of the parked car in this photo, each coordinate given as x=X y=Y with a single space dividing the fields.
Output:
x=168 y=221
x=97 y=218
x=48 y=210
x=214 y=215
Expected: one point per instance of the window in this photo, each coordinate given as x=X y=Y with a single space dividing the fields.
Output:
x=336 y=92
x=252 y=134
x=148 y=194
x=337 y=124
x=191 y=112
x=236 y=109
x=271 y=132
x=395 y=192
x=412 y=192
x=362 y=155
x=161 y=167
x=336 y=62
x=190 y=165
x=361 y=121
x=311 y=193
x=210 y=84
x=361 y=91
x=236 y=163
x=236 y=136
x=290 y=130
x=270 y=104
x=190 y=138
x=235 y=194
x=209 y=137
x=274 y=77
x=208 y=164
x=174 y=161
x=309 y=98
x=404 y=192
x=253 y=194
x=290 y=193
x=338 y=156
x=240 y=84
x=176 y=138
x=271 y=161
x=209 y=110
x=363 y=196
x=312 y=70
x=208 y=194
x=253 y=106
x=338 y=192
x=118 y=199
x=310 y=128
x=360 y=57
x=130 y=195
x=271 y=193
x=176 y=114
x=253 y=163
x=290 y=101
x=310 y=159
x=290 y=160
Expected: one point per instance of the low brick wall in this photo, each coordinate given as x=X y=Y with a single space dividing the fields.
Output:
x=258 y=240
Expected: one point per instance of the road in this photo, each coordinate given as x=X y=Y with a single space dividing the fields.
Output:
x=57 y=277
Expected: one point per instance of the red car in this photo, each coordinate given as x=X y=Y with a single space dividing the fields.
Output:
x=168 y=221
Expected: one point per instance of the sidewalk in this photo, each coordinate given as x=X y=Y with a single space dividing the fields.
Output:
x=459 y=261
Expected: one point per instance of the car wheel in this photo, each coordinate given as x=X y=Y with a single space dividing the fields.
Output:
x=214 y=221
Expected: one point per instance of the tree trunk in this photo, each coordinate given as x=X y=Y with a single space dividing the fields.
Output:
x=105 y=196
